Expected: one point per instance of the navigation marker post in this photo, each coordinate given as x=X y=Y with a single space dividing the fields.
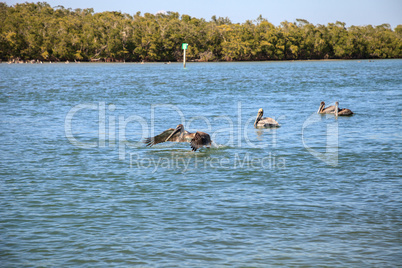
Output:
x=184 y=47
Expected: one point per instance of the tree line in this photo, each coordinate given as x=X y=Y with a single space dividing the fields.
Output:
x=39 y=31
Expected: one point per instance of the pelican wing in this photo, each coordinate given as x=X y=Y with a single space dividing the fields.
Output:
x=329 y=109
x=345 y=112
x=200 y=139
x=267 y=122
x=160 y=138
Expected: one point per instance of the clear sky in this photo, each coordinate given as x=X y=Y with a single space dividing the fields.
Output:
x=352 y=12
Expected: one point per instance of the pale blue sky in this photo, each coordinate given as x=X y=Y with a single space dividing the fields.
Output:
x=352 y=12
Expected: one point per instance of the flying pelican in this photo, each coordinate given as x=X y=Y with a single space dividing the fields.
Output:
x=342 y=112
x=196 y=140
x=265 y=122
x=323 y=110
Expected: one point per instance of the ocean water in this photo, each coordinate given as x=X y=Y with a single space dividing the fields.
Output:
x=78 y=187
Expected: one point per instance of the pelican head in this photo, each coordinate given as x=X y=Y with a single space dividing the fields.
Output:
x=322 y=105
x=179 y=128
x=259 y=116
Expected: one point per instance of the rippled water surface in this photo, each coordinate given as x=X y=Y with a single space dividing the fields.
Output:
x=79 y=188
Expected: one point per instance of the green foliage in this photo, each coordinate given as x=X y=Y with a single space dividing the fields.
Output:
x=38 y=31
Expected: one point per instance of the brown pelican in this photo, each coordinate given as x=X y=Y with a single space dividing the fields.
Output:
x=265 y=122
x=196 y=140
x=342 y=112
x=323 y=110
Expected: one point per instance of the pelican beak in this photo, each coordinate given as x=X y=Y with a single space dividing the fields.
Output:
x=257 y=119
x=174 y=132
x=336 y=109
x=319 y=109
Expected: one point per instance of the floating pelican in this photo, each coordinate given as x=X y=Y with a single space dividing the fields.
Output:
x=342 y=112
x=196 y=140
x=323 y=110
x=265 y=122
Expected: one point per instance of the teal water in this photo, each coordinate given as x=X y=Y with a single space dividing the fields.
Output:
x=79 y=188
